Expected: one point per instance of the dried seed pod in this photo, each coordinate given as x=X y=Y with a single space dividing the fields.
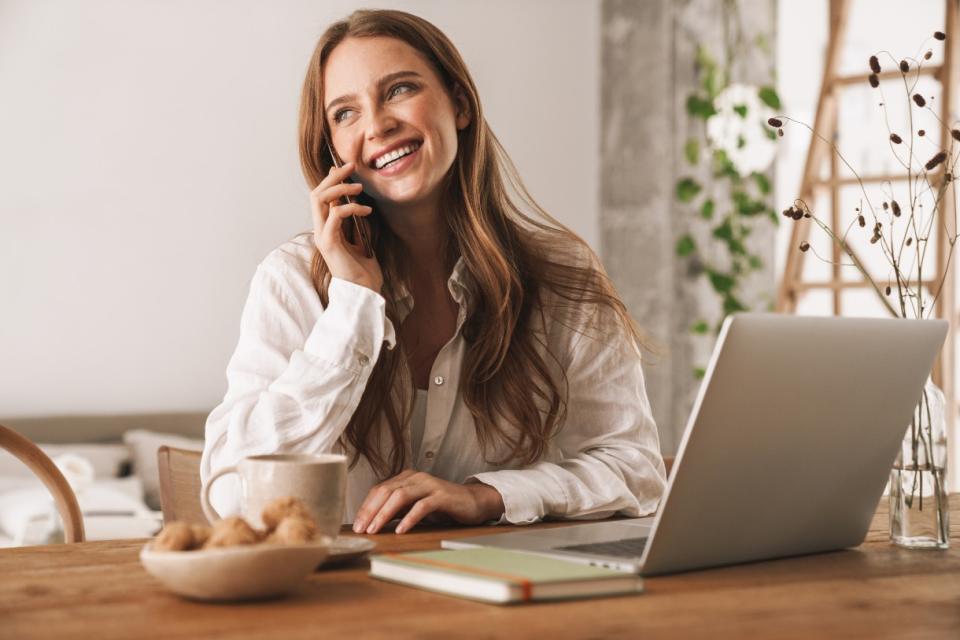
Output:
x=804 y=246
x=909 y=241
x=885 y=206
x=895 y=139
x=919 y=100
x=780 y=132
x=874 y=239
x=940 y=35
x=928 y=55
x=797 y=214
x=895 y=207
x=874 y=64
x=921 y=133
x=862 y=221
x=904 y=67
x=935 y=160
x=955 y=134
x=948 y=177
x=775 y=122
x=888 y=289
x=874 y=80
x=788 y=213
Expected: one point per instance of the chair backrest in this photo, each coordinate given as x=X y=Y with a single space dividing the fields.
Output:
x=43 y=467
x=180 y=485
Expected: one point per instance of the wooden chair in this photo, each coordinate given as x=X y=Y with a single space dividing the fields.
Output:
x=180 y=485
x=43 y=467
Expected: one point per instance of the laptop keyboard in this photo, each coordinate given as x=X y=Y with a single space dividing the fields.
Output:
x=626 y=548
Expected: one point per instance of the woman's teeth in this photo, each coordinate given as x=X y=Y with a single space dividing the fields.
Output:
x=396 y=154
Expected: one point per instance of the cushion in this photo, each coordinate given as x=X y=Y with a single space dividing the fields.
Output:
x=108 y=460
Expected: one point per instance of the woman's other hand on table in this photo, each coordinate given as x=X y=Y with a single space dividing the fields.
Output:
x=420 y=495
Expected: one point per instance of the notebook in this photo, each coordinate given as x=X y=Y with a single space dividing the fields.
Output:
x=501 y=575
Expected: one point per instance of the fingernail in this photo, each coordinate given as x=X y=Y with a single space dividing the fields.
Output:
x=371 y=528
x=401 y=529
x=357 y=528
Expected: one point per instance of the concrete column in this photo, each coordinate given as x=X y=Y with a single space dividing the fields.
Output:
x=647 y=58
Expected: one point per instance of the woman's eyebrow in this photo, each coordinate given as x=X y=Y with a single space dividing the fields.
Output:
x=382 y=81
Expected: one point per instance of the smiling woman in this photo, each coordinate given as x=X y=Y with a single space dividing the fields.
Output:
x=510 y=387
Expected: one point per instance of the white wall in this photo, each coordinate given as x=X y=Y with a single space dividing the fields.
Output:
x=148 y=162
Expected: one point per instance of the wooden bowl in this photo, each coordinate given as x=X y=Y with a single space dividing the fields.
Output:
x=244 y=572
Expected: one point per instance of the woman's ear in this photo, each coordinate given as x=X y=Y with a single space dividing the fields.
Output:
x=462 y=106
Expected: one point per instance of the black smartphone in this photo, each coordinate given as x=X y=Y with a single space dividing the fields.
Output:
x=359 y=230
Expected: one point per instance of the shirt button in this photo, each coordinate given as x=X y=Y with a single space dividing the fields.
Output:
x=364 y=360
x=428 y=454
x=438 y=380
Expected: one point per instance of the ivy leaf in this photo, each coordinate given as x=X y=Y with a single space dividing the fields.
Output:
x=685 y=246
x=700 y=328
x=747 y=206
x=741 y=110
x=770 y=133
x=687 y=189
x=769 y=97
x=692 y=150
x=721 y=282
x=732 y=305
x=763 y=183
x=723 y=167
x=724 y=230
x=706 y=210
x=700 y=107
x=699 y=373
x=755 y=263
x=704 y=60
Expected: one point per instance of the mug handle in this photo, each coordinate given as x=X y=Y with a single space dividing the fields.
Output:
x=208 y=509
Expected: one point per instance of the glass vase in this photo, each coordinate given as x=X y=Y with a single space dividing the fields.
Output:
x=919 y=512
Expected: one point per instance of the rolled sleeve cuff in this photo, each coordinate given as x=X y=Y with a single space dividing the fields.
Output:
x=353 y=327
x=523 y=496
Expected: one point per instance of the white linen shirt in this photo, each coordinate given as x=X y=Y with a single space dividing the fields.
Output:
x=299 y=371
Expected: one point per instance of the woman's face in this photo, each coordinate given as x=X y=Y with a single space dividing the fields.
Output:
x=381 y=96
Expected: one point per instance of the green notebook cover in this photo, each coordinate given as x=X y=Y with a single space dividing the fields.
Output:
x=529 y=576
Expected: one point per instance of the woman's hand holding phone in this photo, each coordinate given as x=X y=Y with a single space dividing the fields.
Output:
x=345 y=261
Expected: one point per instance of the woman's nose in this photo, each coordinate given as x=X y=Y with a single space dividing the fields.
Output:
x=381 y=123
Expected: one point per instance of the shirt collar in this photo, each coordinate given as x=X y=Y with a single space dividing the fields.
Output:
x=460 y=283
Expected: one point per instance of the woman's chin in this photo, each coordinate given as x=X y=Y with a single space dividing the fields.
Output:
x=401 y=198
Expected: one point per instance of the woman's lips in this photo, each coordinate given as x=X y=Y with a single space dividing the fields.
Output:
x=400 y=165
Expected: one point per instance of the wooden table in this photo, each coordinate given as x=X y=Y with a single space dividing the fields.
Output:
x=99 y=590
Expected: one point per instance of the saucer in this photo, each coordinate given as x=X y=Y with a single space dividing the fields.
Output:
x=346 y=548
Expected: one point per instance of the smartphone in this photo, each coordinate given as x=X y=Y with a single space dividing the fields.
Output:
x=360 y=231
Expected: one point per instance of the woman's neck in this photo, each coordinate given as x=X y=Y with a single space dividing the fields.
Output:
x=424 y=239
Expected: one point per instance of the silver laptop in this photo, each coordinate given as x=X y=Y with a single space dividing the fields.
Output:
x=786 y=452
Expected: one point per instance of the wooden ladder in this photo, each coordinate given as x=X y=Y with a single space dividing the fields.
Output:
x=792 y=285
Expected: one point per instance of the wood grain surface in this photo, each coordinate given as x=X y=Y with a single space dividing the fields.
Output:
x=99 y=590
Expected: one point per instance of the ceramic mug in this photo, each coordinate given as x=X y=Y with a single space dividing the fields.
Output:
x=319 y=480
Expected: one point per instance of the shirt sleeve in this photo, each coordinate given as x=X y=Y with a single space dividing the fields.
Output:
x=608 y=445
x=297 y=374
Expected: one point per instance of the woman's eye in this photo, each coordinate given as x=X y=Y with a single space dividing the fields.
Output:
x=402 y=85
x=338 y=116
x=394 y=90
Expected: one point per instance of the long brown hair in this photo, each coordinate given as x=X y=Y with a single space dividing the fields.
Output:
x=512 y=259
